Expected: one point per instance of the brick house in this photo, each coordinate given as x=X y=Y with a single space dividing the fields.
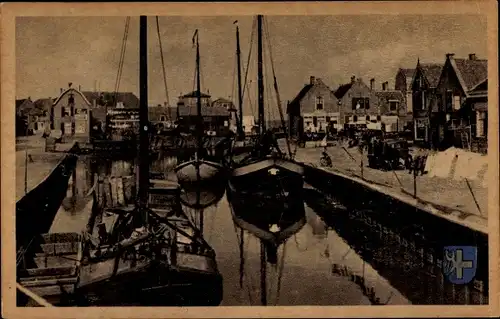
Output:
x=70 y=114
x=358 y=104
x=392 y=108
x=313 y=109
x=462 y=106
x=424 y=100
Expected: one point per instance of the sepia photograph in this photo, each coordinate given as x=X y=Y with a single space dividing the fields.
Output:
x=258 y=158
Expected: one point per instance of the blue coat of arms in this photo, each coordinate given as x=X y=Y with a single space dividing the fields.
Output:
x=460 y=263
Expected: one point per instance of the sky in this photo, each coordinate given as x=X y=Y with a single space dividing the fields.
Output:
x=53 y=51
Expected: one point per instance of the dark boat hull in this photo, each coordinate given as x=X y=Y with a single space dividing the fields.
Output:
x=268 y=192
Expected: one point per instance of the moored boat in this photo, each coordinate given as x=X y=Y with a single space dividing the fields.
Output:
x=265 y=187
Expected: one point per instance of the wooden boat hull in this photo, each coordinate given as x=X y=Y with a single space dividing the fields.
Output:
x=37 y=209
x=268 y=192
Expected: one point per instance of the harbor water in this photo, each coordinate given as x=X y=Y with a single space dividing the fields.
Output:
x=338 y=257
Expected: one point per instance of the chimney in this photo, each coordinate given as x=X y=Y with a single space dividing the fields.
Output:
x=384 y=86
x=372 y=82
x=61 y=90
x=79 y=87
x=353 y=79
x=450 y=55
x=312 y=79
x=472 y=56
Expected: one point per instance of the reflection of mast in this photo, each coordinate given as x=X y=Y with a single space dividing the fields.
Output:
x=242 y=258
x=263 y=269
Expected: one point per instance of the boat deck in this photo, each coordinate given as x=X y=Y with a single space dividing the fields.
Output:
x=72 y=221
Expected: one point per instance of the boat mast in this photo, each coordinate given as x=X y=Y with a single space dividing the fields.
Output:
x=260 y=76
x=199 y=128
x=143 y=120
x=240 y=94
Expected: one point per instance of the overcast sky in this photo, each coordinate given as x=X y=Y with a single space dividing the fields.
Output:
x=52 y=51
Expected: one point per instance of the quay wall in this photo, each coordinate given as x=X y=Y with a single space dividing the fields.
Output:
x=427 y=228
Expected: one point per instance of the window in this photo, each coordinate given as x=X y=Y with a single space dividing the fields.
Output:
x=346 y=119
x=367 y=117
x=420 y=129
x=359 y=103
x=423 y=101
x=71 y=99
x=355 y=118
x=393 y=105
x=456 y=102
x=448 y=100
x=162 y=118
x=63 y=111
x=379 y=118
x=481 y=123
x=319 y=103
x=327 y=119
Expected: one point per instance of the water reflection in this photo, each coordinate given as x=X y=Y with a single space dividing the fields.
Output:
x=406 y=259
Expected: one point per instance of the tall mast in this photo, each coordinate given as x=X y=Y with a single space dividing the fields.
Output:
x=260 y=76
x=240 y=94
x=198 y=94
x=143 y=119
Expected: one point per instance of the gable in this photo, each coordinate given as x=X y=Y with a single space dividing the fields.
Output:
x=470 y=72
x=77 y=94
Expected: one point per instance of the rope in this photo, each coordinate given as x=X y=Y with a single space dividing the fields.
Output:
x=280 y=273
x=122 y=58
x=162 y=62
x=248 y=66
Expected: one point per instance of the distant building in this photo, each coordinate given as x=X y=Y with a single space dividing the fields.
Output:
x=215 y=118
x=315 y=108
x=463 y=102
x=233 y=112
x=402 y=83
x=24 y=109
x=392 y=108
x=41 y=116
x=70 y=114
x=190 y=99
x=358 y=104
x=162 y=115
x=424 y=100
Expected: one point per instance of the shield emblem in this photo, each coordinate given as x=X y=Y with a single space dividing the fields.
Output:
x=459 y=263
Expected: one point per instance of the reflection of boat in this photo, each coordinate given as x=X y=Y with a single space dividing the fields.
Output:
x=265 y=188
x=200 y=174
x=150 y=253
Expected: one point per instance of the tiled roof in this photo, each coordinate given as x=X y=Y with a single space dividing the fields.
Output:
x=193 y=94
x=129 y=99
x=432 y=72
x=473 y=72
x=301 y=94
x=342 y=90
x=390 y=95
x=407 y=72
x=205 y=111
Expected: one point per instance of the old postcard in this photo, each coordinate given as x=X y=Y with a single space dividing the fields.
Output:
x=291 y=159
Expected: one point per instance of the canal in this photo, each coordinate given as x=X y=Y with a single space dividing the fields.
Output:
x=339 y=257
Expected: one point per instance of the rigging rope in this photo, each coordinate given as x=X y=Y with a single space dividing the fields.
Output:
x=280 y=274
x=163 y=64
x=121 y=60
x=248 y=66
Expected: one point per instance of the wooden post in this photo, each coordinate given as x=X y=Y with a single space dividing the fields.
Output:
x=414 y=181
x=26 y=172
x=362 y=176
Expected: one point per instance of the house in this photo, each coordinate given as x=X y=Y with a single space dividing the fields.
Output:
x=69 y=114
x=392 y=108
x=41 y=117
x=358 y=104
x=402 y=83
x=229 y=105
x=126 y=100
x=424 y=102
x=315 y=108
x=162 y=115
x=23 y=107
x=215 y=118
x=463 y=98
x=190 y=99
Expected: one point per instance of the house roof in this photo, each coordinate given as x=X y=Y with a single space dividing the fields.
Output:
x=44 y=103
x=390 y=95
x=407 y=72
x=342 y=90
x=20 y=102
x=301 y=94
x=205 y=111
x=432 y=72
x=74 y=90
x=129 y=99
x=472 y=72
x=222 y=100
x=193 y=94
x=155 y=113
